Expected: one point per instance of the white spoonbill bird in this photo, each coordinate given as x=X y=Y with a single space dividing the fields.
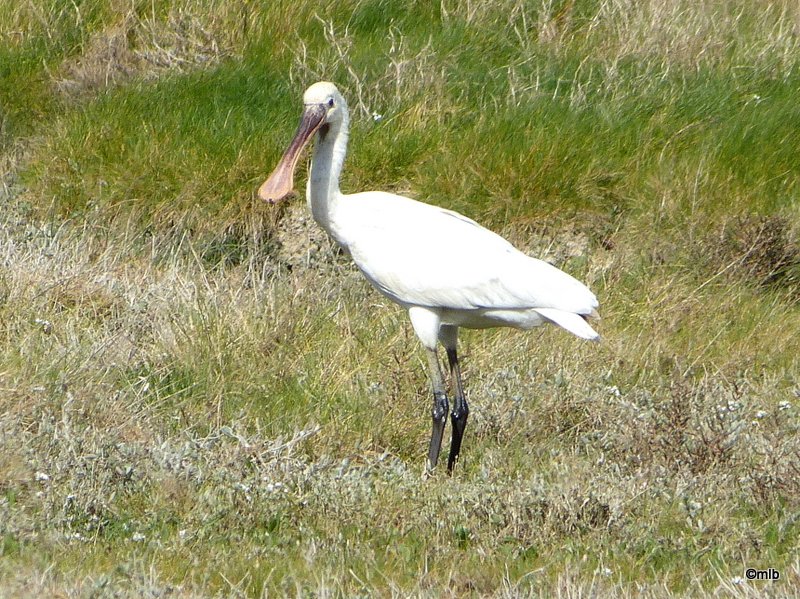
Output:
x=445 y=269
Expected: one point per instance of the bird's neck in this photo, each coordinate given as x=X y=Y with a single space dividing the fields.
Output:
x=326 y=166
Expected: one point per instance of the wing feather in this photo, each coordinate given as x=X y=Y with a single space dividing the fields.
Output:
x=419 y=254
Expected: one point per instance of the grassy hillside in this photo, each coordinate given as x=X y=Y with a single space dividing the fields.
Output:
x=200 y=396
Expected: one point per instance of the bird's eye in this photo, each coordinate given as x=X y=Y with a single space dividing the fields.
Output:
x=330 y=102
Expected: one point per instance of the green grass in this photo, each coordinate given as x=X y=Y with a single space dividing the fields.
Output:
x=200 y=396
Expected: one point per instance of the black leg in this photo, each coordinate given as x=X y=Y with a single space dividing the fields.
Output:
x=460 y=409
x=439 y=412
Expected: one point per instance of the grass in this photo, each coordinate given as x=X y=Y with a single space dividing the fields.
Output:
x=199 y=396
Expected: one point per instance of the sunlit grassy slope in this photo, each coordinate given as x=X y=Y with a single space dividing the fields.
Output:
x=199 y=396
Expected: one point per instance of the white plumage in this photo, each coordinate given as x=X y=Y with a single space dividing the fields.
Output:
x=446 y=269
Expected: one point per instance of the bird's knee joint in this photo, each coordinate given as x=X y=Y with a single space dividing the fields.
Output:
x=460 y=412
x=440 y=406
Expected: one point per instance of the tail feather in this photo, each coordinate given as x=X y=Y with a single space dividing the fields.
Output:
x=574 y=323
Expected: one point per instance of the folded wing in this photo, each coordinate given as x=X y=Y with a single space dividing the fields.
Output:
x=419 y=254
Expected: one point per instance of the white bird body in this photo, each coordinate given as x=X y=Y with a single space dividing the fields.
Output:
x=422 y=255
x=444 y=268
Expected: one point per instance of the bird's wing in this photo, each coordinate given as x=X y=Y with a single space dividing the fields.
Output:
x=421 y=254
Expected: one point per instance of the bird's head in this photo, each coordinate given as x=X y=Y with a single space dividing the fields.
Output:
x=324 y=109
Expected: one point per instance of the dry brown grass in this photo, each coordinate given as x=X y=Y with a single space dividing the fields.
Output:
x=137 y=414
x=137 y=40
